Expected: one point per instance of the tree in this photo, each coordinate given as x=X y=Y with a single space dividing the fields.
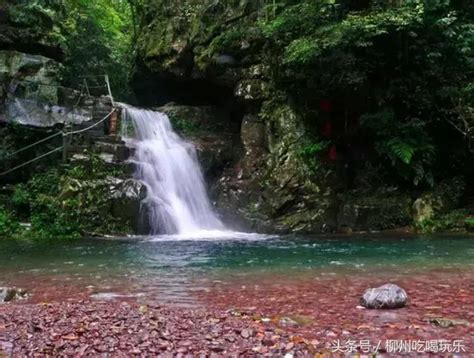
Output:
x=401 y=72
x=98 y=41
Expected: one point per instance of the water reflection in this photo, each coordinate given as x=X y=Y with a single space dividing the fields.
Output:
x=174 y=270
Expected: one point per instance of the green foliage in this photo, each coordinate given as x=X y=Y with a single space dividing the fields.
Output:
x=452 y=221
x=296 y=21
x=406 y=146
x=356 y=31
x=94 y=169
x=8 y=225
x=20 y=200
x=98 y=38
x=403 y=73
x=314 y=148
x=310 y=153
x=65 y=204
x=184 y=125
x=42 y=18
x=6 y=143
x=398 y=149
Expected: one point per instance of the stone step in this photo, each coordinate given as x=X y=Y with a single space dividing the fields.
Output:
x=76 y=148
x=111 y=139
x=120 y=151
x=80 y=158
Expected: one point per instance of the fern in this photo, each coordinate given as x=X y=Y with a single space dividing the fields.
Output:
x=400 y=150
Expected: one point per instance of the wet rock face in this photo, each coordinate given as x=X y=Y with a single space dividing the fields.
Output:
x=253 y=132
x=215 y=153
x=176 y=35
x=444 y=197
x=212 y=131
x=423 y=209
x=20 y=75
x=189 y=120
x=119 y=197
x=30 y=93
x=264 y=180
x=374 y=212
x=127 y=197
x=271 y=187
x=254 y=140
x=30 y=29
x=211 y=50
x=387 y=296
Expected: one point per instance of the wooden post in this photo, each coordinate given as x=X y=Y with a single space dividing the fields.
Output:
x=65 y=145
x=113 y=124
x=87 y=87
x=110 y=91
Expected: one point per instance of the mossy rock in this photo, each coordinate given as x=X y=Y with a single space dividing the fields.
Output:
x=375 y=212
x=30 y=76
x=444 y=198
x=33 y=28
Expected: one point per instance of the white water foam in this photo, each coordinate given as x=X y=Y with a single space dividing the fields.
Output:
x=213 y=235
x=177 y=204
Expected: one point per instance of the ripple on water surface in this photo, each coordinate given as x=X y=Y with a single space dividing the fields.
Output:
x=174 y=267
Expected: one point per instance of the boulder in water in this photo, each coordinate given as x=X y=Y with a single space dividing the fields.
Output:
x=387 y=296
x=8 y=294
x=127 y=197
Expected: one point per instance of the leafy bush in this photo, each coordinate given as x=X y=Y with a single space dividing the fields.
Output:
x=66 y=204
x=6 y=142
x=401 y=75
x=184 y=125
x=452 y=221
x=8 y=225
x=310 y=154
x=470 y=222
x=98 y=38
x=406 y=145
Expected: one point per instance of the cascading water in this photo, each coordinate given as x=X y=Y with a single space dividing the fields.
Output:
x=177 y=201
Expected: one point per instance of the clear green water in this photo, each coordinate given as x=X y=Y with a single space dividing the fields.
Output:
x=173 y=269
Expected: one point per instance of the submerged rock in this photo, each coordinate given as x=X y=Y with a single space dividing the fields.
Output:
x=8 y=294
x=288 y=322
x=387 y=296
x=447 y=322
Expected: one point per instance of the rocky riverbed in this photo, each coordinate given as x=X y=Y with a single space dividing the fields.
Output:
x=326 y=311
x=122 y=329
x=273 y=316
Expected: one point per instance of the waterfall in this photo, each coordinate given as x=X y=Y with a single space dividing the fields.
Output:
x=177 y=201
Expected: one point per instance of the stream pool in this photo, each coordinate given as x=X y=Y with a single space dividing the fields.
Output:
x=176 y=269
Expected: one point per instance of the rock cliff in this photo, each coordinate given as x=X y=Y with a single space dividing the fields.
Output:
x=193 y=54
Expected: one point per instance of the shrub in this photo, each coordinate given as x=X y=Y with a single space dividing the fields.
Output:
x=8 y=225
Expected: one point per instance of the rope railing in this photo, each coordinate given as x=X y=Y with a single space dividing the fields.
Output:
x=10 y=155
x=91 y=126
x=86 y=87
x=106 y=85
x=31 y=161
x=64 y=135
